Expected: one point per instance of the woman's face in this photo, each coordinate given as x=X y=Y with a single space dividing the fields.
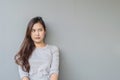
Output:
x=38 y=33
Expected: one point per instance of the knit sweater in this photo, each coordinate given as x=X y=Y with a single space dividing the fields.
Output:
x=43 y=62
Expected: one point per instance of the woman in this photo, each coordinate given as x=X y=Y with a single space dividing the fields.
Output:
x=37 y=60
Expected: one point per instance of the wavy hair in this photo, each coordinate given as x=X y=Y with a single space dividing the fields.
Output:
x=27 y=46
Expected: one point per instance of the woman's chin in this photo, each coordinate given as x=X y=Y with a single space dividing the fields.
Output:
x=38 y=41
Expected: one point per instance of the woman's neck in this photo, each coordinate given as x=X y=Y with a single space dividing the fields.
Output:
x=40 y=45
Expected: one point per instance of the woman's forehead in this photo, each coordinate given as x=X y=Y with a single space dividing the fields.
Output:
x=37 y=26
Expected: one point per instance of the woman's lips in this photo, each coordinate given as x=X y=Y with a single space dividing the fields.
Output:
x=37 y=37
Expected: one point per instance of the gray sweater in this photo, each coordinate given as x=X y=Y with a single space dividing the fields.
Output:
x=43 y=62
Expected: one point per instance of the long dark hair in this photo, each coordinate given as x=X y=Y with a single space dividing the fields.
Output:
x=27 y=46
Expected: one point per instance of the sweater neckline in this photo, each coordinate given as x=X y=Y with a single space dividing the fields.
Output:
x=42 y=47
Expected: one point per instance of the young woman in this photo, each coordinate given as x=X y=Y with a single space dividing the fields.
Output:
x=37 y=60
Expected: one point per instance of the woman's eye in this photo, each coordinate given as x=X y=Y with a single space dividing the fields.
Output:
x=33 y=30
x=40 y=29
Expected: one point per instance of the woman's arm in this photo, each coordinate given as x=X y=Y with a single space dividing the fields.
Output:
x=25 y=78
x=23 y=75
x=54 y=70
x=54 y=77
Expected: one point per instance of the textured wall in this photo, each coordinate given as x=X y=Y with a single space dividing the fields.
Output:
x=86 y=31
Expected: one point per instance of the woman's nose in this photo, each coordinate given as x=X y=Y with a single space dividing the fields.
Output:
x=37 y=32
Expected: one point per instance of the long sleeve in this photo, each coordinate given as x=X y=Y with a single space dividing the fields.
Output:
x=55 y=61
x=22 y=73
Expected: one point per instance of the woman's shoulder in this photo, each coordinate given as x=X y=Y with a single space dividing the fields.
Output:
x=53 y=47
